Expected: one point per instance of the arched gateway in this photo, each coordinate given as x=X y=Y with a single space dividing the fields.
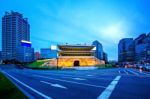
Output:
x=77 y=55
x=76 y=63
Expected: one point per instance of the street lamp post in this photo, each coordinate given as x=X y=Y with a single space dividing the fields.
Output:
x=57 y=62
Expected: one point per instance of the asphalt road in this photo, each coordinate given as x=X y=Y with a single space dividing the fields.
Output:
x=118 y=83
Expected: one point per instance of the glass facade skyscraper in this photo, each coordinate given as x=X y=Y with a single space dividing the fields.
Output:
x=99 y=53
x=126 y=50
x=142 y=48
x=99 y=49
x=15 y=28
x=134 y=50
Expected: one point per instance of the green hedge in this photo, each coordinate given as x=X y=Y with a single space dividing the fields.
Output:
x=104 y=66
x=46 y=67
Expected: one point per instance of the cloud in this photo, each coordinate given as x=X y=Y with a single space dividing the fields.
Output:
x=112 y=32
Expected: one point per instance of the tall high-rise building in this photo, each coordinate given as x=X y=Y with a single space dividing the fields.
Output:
x=15 y=28
x=105 y=57
x=142 y=48
x=137 y=50
x=126 y=50
x=99 y=50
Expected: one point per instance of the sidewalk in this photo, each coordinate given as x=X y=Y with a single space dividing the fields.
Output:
x=82 y=68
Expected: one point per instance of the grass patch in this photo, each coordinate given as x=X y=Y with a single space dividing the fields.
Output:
x=8 y=90
x=104 y=66
x=38 y=65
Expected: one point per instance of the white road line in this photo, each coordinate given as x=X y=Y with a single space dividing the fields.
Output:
x=142 y=72
x=17 y=85
x=133 y=72
x=70 y=81
x=78 y=78
x=126 y=72
x=145 y=73
x=54 y=85
x=119 y=72
x=107 y=92
x=69 y=76
x=62 y=74
x=89 y=75
x=39 y=93
x=88 y=78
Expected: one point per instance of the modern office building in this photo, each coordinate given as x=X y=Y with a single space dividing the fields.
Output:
x=37 y=55
x=99 y=50
x=47 y=53
x=142 y=48
x=15 y=28
x=135 y=51
x=25 y=53
x=126 y=50
x=105 y=57
x=0 y=57
x=147 y=40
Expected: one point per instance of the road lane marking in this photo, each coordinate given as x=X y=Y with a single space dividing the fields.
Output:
x=39 y=93
x=19 y=87
x=75 y=75
x=69 y=76
x=90 y=78
x=133 y=72
x=107 y=92
x=119 y=72
x=126 y=72
x=78 y=78
x=70 y=81
x=141 y=72
x=145 y=73
x=54 y=85
x=89 y=75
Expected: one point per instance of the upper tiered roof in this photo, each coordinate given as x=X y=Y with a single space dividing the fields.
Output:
x=76 y=47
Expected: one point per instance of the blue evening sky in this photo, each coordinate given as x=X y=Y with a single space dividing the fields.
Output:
x=82 y=21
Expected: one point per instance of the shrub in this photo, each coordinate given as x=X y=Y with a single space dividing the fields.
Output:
x=104 y=66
